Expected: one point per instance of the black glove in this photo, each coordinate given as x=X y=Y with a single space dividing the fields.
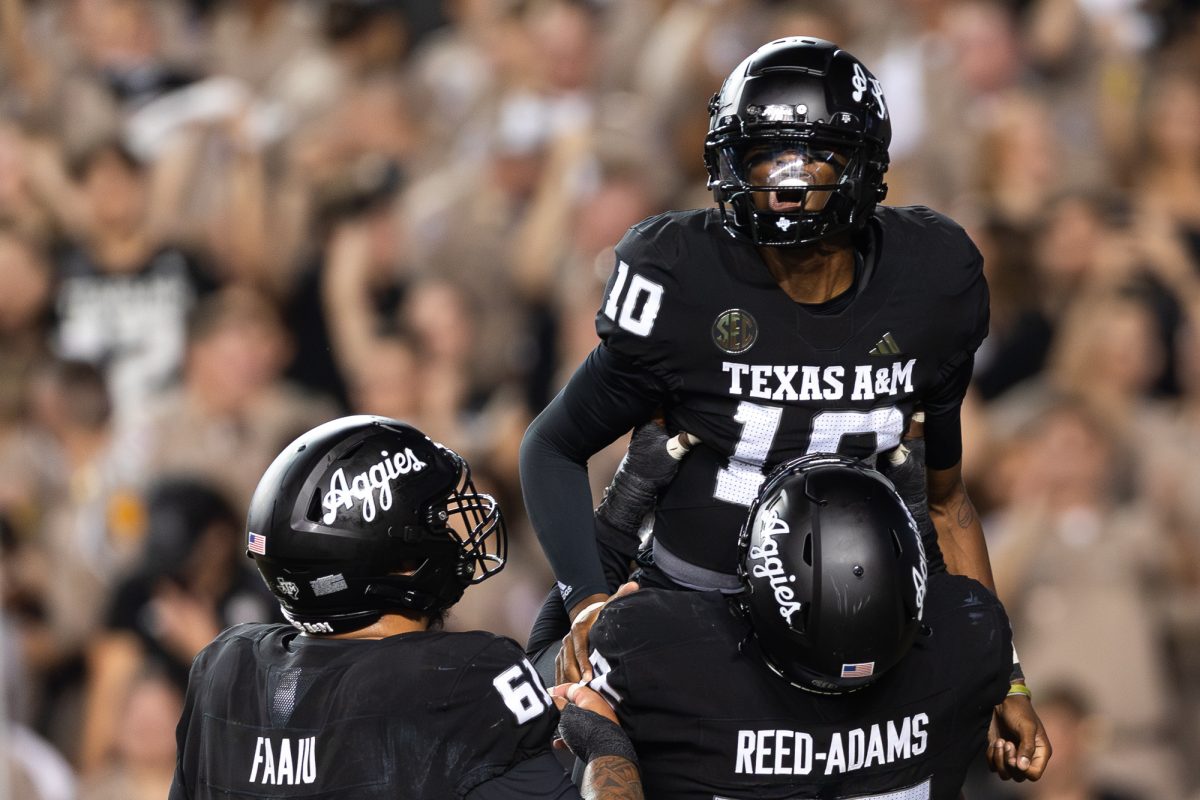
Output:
x=648 y=466
x=905 y=468
x=589 y=735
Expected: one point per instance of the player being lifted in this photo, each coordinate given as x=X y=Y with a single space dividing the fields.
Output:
x=797 y=317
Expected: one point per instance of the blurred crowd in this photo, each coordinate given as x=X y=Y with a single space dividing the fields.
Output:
x=225 y=221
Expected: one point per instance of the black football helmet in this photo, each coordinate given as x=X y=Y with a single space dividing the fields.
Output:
x=834 y=573
x=797 y=144
x=365 y=515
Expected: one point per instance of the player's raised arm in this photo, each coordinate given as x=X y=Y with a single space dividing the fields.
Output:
x=604 y=399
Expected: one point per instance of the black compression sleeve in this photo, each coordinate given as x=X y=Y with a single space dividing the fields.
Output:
x=605 y=398
x=943 y=422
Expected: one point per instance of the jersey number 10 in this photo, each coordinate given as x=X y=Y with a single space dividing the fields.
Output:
x=738 y=483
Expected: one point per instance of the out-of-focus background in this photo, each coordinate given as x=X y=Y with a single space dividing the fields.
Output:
x=222 y=222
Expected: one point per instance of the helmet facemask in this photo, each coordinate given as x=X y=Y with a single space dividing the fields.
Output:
x=474 y=519
x=787 y=191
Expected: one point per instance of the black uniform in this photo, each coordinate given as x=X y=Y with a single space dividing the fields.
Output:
x=694 y=323
x=710 y=720
x=271 y=713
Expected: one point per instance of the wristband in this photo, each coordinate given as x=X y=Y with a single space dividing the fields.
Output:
x=1019 y=688
x=679 y=445
x=591 y=736
x=1017 y=675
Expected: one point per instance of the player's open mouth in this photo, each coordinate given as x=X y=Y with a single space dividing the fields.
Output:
x=791 y=195
x=786 y=200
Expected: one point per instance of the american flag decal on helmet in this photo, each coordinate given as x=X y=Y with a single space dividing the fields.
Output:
x=864 y=670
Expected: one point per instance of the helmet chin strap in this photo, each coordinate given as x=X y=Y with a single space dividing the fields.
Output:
x=391 y=598
x=408 y=599
x=334 y=623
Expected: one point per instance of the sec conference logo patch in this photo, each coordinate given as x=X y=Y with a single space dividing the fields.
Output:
x=735 y=331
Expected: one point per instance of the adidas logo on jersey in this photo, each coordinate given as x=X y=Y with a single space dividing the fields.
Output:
x=886 y=346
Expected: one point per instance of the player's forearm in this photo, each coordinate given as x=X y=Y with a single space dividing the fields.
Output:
x=598 y=404
x=558 y=498
x=960 y=532
x=611 y=778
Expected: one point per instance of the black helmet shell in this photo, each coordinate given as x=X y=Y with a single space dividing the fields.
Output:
x=358 y=517
x=799 y=90
x=834 y=573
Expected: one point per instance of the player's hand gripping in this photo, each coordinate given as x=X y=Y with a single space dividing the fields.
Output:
x=648 y=467
x=904 y=466
x=572 y=665
x=588 y=727
x=1018 y=747
x=585 y=698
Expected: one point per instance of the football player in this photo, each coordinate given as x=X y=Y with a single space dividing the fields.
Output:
x=844 y=668
x=796 y=317
x=367 y=532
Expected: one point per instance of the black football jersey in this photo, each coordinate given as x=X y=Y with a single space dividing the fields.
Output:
x=271 y=713
x=710 y=721
x=761 y=379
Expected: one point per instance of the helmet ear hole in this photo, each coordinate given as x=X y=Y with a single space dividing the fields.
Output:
x=807 y=553
x=799 y=620
x=314 y=512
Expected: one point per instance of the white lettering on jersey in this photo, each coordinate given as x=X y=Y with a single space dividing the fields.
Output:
x=523 y=691
x=364 y=485
x=639 y=308
x=789 y=752
x=736 y=373
x=600 y=675
x=284 y=770
x=777 y=382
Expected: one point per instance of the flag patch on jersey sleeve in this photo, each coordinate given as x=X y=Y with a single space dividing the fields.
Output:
x=864 y=670
x=256 y=543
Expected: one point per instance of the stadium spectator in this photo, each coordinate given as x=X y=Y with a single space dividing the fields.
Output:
x=123 y=296
x=232 y=409
x=1076 y=559
x=193 y=582
x=144 y=754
